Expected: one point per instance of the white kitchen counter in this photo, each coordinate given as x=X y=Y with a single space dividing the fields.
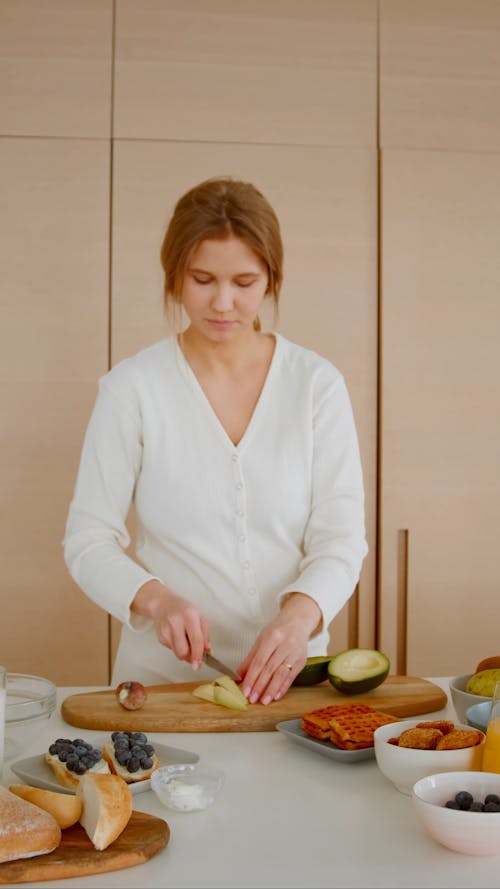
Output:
x=286 y=817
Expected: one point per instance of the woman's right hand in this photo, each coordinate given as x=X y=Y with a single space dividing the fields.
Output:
x=179 y=625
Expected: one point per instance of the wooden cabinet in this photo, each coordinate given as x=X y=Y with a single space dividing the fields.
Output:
x=372 y=126
x=439 y=488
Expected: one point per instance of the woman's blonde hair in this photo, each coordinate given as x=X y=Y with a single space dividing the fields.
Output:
x=217 y=208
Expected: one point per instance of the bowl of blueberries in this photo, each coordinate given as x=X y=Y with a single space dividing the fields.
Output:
x=461 y=810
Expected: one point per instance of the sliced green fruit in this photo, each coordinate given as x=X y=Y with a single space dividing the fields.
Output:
x=314 y=671
x=231 y=686
x=358 y=670
x=206 y=692
x=228 y=699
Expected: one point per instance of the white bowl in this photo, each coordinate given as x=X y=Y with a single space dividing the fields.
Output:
x=405 y=765
x=472 y=833
x=30 y=701
x=186 y=787
x=463 y=699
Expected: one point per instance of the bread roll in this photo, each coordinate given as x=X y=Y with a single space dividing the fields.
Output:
x=25 y=830
x=70 y=779
x=106 y=807
x=66 y=808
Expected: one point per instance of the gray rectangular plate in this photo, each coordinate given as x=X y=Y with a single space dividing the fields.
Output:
x=292 y=729
x=36 y=772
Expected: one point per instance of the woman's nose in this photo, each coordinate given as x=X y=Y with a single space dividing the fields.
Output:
x=223 y=298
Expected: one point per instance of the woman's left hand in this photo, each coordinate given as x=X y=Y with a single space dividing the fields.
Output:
x=280 y=650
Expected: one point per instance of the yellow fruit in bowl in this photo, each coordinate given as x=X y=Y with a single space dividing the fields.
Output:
x=483 y=683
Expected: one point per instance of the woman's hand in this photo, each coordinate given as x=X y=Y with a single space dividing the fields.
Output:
x=177 y=622
x=280 y=650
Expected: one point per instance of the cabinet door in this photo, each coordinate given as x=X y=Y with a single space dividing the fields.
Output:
x=53 y=346
x=440 y=420
x=326 y=201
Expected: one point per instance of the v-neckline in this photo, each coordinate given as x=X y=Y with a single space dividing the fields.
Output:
x=196 y=387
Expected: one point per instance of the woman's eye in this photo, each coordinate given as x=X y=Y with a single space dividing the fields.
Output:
x=201 y=280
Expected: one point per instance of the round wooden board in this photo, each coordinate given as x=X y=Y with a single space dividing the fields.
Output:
x=144 y=836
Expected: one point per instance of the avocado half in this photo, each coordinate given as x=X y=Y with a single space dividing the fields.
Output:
x=358 y=670
x=314 y=671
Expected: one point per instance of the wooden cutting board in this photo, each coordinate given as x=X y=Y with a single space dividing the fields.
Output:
x=143 y=837
x=173 y=708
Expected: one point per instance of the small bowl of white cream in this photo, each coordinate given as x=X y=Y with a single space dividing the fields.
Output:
x=187 y=787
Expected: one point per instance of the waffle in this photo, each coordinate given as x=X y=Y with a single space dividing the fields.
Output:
x=349 y=726
x=355 y=731
x=317 y=722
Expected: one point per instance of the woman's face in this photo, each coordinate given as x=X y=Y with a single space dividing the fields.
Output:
x=223 y=288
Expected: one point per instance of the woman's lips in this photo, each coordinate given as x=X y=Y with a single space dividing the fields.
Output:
x=221 y=325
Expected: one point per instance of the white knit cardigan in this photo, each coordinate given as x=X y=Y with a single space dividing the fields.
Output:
x=232 y=528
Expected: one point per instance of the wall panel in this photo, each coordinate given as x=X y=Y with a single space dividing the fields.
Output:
x=285 y=71
x=439 y=415
x=440 y=74
x=54 y=345
x=55 y=67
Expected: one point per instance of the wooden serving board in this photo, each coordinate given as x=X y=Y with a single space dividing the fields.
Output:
x=173 y=708
x=143 y=837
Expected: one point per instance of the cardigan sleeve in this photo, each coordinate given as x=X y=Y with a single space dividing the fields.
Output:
x=335 y=540
x=96 y=535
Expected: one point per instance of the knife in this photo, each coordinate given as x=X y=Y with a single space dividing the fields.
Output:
x=212 y=662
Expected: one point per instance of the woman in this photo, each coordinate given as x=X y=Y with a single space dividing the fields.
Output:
x=239 y=451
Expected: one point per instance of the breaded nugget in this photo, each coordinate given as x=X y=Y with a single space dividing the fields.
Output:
x=420 y=738
x=444 y=725
x=459 y=738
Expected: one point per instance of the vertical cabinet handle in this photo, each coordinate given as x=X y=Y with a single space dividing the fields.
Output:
x=402 y=602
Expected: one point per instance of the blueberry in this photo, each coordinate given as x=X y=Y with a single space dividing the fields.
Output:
x=123 y=757
x=491 y=807
x=476 y=807
x=452 y=804
x=492 y=798
x=464 y=799
x=133 y=764
x=146 y=762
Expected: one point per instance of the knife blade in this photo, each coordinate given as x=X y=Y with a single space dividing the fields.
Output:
x=212 y=662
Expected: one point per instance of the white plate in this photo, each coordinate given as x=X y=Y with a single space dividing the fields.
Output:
x=292 y=729
x=35 y=771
